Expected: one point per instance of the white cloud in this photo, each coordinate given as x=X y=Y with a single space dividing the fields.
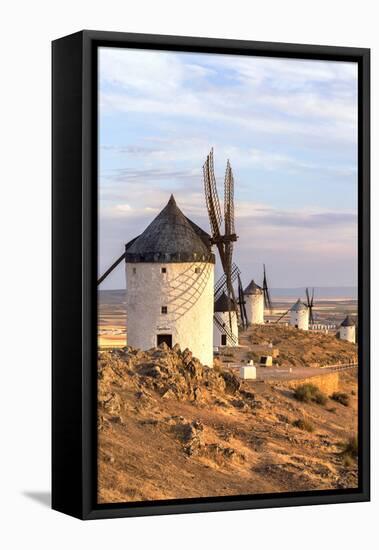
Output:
x=310 y=98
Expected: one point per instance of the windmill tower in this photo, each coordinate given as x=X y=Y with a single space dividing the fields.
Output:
x=299 y=315
x=347 y=329
x=255 y=306
x=222 y=335
x=170 y=285
x=257 y=299
x=224 y=242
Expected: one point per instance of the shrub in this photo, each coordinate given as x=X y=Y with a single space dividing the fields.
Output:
x=340 y=397
x=308 y=393
x=350 y=448
x=303 y=424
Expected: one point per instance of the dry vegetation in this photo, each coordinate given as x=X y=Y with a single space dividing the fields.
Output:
x=171 y=428
x=299 y=348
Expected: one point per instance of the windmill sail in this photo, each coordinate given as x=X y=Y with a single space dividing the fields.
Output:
x=281 y=317
x=229 y=231
x=211 y=196
x=116 y=263
x=242 y=303
x=309 y=304
x=110 y=269
x=220 y=288
x=266 y=292
x=220 y=285
x=224 y=242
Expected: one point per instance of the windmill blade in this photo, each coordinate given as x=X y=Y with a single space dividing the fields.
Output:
x=309 y=304
x=220 y=285
x=211 y=196
x=229 y=200
x=111 y=268
x=307 y=295
x=311 y=318
x=229 y=236
x=311 y=312
x=242 y=303
x=115 y=264
x=266 y=292
x=281 y=317
x=227 y=265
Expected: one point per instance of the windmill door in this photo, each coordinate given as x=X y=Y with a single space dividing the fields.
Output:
x=166 y=338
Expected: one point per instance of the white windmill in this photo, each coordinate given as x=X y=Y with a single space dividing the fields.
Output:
x=257 y=298
x=170 y=285
x=346 y=330
x=299 y=315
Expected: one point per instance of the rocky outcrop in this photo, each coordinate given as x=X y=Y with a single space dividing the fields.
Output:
x=172 y=373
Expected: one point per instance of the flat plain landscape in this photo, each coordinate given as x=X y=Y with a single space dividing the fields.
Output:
x=328 y=309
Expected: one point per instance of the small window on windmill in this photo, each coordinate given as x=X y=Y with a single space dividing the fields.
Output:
x=164 y=309
x=164 y=270
x=197 y=269
x=134 y=270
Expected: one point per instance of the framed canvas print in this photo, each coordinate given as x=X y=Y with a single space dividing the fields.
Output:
x=210 y=274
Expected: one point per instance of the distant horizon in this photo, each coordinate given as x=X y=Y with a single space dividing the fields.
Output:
x=292 y=291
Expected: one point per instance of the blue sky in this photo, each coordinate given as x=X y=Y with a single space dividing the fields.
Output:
x=289 y=128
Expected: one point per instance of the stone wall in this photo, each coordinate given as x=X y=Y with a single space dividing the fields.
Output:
x=327 y=383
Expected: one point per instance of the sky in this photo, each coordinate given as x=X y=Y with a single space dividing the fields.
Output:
x=289 y=129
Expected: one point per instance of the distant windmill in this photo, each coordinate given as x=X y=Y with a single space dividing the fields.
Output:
x=224 y=239
x=309 y=304
x=301 y=313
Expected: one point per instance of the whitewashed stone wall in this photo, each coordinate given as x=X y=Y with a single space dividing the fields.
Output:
x=254 y=308
x=224 y=318
x=186 y=289
x=347 y=333
x=300 y=318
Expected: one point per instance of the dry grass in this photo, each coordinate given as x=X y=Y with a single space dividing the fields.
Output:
x=304 y=424
x=168 y=433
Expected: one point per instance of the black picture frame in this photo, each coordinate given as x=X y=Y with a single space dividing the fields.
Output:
x=74 y=272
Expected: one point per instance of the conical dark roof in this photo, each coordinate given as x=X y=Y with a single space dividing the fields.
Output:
x=222 y=304
x=253 y=288
x=171 y=237
x=348 y=322
x=298 y=306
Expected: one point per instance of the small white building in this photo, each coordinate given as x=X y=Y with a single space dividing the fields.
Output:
x=248 y=373
x=170 y=285
x=299 y=315
x=225 y=326
x=347 y=329
x=254 y=303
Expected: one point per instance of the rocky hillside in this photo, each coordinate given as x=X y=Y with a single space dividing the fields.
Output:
x=171 y=428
